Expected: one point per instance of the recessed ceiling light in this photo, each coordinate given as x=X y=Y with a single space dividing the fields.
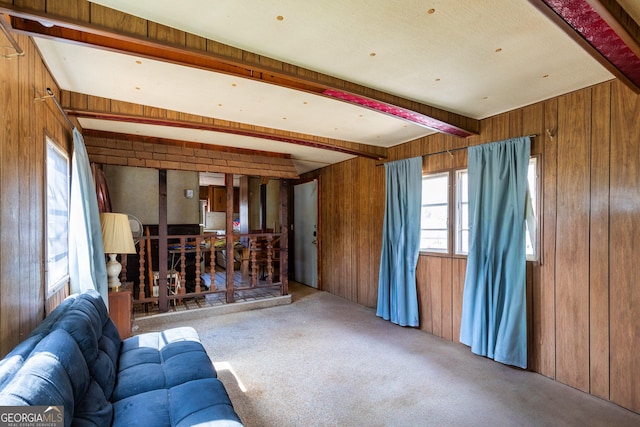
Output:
x=485 y=97
x=233 y=85
x=437 y=79
x=545 y=76
x=137 y=87
x=431 y=11
x=138 y=62
x=499 y=49
x=280 y=17
x=372 y=54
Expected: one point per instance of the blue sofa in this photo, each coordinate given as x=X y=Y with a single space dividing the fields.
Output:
x=76 y=360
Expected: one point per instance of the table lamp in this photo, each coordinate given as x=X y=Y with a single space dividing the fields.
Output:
x=116 y=239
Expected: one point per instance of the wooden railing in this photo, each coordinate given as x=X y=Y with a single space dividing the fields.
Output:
x=258 y=260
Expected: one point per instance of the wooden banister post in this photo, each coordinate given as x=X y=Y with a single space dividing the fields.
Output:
x=228 y=178
x=284 y=236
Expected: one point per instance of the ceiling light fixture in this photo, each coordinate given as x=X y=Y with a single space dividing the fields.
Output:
x=399 y=112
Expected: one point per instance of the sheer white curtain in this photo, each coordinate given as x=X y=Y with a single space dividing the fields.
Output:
x=87 y=268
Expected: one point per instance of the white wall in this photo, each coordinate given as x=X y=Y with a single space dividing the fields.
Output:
x=135 y=191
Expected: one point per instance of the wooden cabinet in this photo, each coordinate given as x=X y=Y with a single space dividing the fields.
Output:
x=120 y=308
x=217 y=199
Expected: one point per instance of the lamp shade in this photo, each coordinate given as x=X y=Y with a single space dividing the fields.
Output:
x=116 y=234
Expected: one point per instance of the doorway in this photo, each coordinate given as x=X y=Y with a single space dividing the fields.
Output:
x=305 y=226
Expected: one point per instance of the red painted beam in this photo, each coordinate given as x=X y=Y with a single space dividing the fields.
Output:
x=600 y=30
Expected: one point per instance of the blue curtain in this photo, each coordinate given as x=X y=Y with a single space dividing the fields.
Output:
x=397 y=294
x=494 y=320
x=87 y=267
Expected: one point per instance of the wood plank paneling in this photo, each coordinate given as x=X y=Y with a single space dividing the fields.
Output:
x=624 y=251
x=9 y=210
x=434 y=278
x=572 y=240
x=599 y=237
x=458 y=275
x=583 y=298
x=446 y=298
x=544 y=293
x=531 y=122
x=22 y=191
x=424 y=295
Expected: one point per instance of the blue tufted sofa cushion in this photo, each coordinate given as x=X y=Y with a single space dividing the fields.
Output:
x=203 y=401
x=56 y=374
x=75 y=359
x=163 y=359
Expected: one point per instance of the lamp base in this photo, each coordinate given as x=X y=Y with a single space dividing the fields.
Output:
x=113 y=272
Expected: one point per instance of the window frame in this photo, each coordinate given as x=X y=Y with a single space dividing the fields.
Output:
x=60 y=268
x=457 y=232
x=454 y=227
x=448 y=204
x=537 y=205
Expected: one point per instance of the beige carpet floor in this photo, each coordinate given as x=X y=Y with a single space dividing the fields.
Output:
x=325 y=361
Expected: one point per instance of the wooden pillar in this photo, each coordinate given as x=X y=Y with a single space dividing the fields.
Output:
x=263 y=204
x=163 y=303
x=228 y=178
x=284 y=236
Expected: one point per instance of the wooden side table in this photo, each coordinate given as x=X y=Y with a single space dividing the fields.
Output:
x=120 y=309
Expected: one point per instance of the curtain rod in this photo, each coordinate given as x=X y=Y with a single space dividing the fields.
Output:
x=58 y=105
x=450 y=151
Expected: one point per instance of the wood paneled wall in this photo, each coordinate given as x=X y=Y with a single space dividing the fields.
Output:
x=583 y=295
x=351 y=202
x=24 y=122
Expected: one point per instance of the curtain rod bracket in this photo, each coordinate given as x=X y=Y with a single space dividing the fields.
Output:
x=43 y=98
x=55 y=100
x=551 y=133
x=13 y=55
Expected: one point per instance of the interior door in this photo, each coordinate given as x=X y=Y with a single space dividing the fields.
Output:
x=305 y=231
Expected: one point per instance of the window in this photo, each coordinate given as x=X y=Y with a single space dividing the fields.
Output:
x=435 y=230
x=57 y=217
x=532 y=211
x=434 y=221
x=462 y=212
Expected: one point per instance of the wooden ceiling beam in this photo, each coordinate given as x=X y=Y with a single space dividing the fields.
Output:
x=103 y=134
x=232 y=61
x=337 y=146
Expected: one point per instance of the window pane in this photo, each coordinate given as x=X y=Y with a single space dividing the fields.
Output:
x=434 y=221
x=462 y=212
x=435 y=240
x=464 y=242
x=435 y=217
x=435 y=189
x=531 y=222
x=57 y=217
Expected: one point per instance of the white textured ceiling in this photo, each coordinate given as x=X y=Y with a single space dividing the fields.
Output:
x=476 y=58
